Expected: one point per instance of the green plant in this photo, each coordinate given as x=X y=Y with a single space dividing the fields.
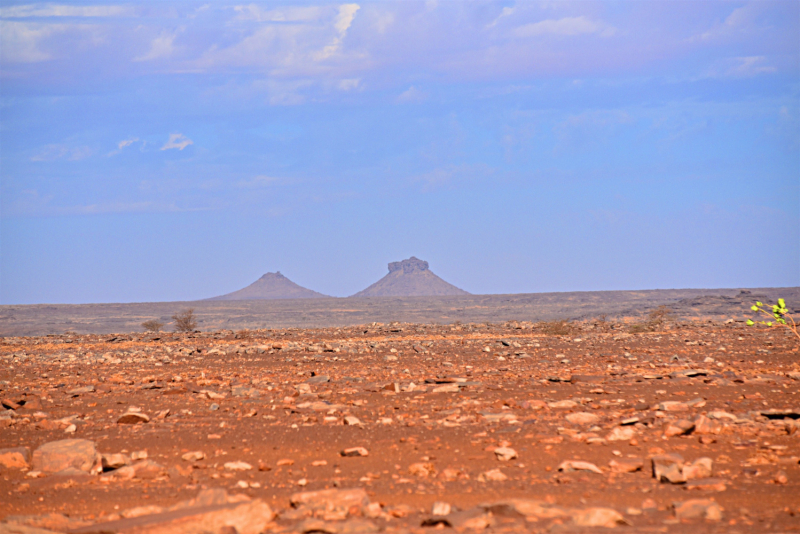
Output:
x=152 y=325
x=779 y=313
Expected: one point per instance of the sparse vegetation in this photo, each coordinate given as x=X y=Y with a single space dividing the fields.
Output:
x=185 y=321
x=153 y=325
x=557 y=328
x=656 y=319
x=778 y=313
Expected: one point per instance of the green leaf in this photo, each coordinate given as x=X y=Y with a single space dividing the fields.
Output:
x=781 y=303
x=750 y=323
x=754 y=308
x=769 y=323
x=758 y=304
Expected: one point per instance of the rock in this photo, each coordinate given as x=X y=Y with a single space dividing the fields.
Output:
x=700 y=468
x=679 y=428
x=446 y=388
x=598 y=517
x=352 y=420
x=238 y=466
x=133 y=418
x=493 y=475
x=668 y=468
x=193 y=456
x=421 y=469
x=15 y=457
x=781 y=478
x=144 y=470
x=562 y=404
x=355 y=451
x=440 y=508
x=704 y=426
x=505 y=454
x=351 y=526
x=707 y=484
x=40 y=524
x=473 y=519
x=673 y=406
x=621 y=434
x=114 y=461
x=578 y=465
x=626 y=465
x=698 y=509
x=244 y=391
x=66 y=454
x=319 y=379
x=526 y=508
x=139 y=511
x=250 y=517
x=331 y=504
x=582 y=418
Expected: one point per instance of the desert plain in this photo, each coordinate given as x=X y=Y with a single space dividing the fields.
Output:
x=663 y=424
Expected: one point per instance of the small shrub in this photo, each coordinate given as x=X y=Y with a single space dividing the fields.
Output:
x=153 y=325
x=557 y=328
x=185 y=321
x=778 y=314
x=655 y=320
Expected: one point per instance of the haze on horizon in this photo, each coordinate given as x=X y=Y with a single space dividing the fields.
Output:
x=171 y=150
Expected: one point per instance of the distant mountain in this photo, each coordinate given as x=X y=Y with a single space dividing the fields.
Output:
x=272 y=286
x=410 y=278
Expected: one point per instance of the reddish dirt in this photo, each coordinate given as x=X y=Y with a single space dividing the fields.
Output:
x=505 y=399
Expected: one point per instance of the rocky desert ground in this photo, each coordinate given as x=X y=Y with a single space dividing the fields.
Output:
x=680 y=427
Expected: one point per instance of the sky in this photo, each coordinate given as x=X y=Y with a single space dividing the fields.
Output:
x=177 y=150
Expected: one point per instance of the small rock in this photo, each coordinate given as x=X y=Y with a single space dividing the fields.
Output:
x=238 y=466
x=582 y=418
x=598 y=517
x=440 y=508
x=673 y=406
x=505 y=454
x=562 y=404
x=626 y=465
x=578 y=465
x=421 y=469
x=668 y=468
x=700 y=468
x=16 y=457
x=493 y=475
x=193 y=456
x=133 y=418
x=352 y=420
x=355 y=451
x=781 y=478
x=698 y=509
x=707 y=484
x=679 y=428
x=621 y=434
x=114 y=461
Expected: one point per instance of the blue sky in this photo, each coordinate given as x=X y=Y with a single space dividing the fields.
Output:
x=178 y=150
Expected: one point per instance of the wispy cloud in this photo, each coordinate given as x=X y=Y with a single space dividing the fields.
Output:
x=750 y=66
x=177 y=140
x=160 y=47
x=58 y=151
x=58 y=10
x=344 y=19
x=20 y=41
x=412 y=94
x=568 y=26
x=127 y=142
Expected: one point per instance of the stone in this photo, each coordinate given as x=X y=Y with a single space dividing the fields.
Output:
x=193 y=456
x=673 y=406
x=505 y=454
x=707 y=484
x=114 y=461
x=351 y=526
x=598 y=517
x=244 y=391
x=15 y=457
x=668 y=468
x=355 y=451
x=331 y=504
x=698 y=509
x=143 y=470
x=526 y=508
x=440 y=508
x=582 y=418
x=700 y=468
x=562 y=404
x=319 y=379
x=133 y=418
x=446 y=388
x=679 y=428
x=237 y=466
x=626 y=465
x=56 y=456
x=421 y=469
x=352 y=420
x=621 y=434
x=781 y=478
x=578 y=465
x=705 y=426
x=492 y=475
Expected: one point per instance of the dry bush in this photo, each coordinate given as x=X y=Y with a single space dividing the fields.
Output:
x=655 y=320
x=185 y=321
x=557 y=328
x=153 y=325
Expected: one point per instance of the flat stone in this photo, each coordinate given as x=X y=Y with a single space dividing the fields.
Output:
x=700 y=468
x=621 y=434
x=582 y=418
x=707 y=484
x=355 y=451
x=133 y=418
x=626 y=465
x=698 y=509
x=598 y=517
x=15 y=457
x=505 y=454
x=115 y=461
x=578 y=465
x=668 y=468
x=56 y=456
x=679 y=428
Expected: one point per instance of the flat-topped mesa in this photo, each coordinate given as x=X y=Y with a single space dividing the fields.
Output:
x=271 y=286
x=410 y=278
x=408 y=266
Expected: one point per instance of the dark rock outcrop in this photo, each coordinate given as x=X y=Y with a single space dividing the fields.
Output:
x=410 y=278
x=272 y=286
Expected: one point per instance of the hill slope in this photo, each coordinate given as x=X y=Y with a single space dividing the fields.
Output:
x=269 y=287
x=410 y=278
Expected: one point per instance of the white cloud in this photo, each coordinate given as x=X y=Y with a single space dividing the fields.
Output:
x=569 y=26
x=57 y=151
x=349 y=84
x=507 y=11
x=177 y=140
x=750 y=66
x=20 y=41
x=283 y=14
x=412 y=94
x=160 y=47
x=740 y=19
x=344 y=19
x=56 y=10
x=127 y=142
